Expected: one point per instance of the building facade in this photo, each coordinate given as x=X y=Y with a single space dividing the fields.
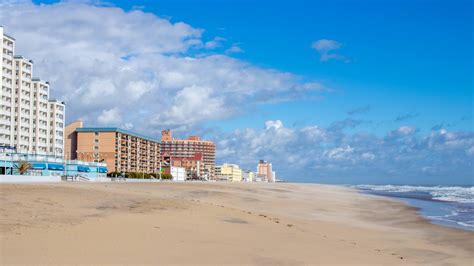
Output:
x=121 y=150
x=44 y=165
x=265 y=172
x=29 y=120
x=185 y=153
x=248 y=176
x=232 y=171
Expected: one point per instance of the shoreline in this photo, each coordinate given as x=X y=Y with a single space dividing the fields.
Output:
x=284 y=223
x=436 y=211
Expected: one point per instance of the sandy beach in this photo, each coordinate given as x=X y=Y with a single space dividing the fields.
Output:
x=218 y=223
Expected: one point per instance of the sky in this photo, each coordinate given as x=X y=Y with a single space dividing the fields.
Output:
x=349 y=91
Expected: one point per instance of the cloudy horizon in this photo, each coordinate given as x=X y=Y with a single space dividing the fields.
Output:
x=132 y=68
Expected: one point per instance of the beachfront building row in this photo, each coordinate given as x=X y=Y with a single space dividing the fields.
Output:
x=44 y=165
x=126 y=151
x=232 y=172
x=196 y=155
x=30 y=122
x=121 y=150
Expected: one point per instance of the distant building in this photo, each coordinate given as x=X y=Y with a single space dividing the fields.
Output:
x=248 y=176
x=29 y=120
x=265 y=172
x=178 y=173
x=218 y=176
x=122 y=150
x=196 y=155
x=232 y=171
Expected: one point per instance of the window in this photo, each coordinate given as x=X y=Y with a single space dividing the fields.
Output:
x=96 y=141
x=96 y=133
x=96 y=147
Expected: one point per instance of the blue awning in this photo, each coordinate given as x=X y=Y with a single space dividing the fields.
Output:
x=38 y=166
x=82 y=168
x=53 y=166
x=103 y=170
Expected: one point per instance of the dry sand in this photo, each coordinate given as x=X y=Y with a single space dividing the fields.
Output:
x=206 y=223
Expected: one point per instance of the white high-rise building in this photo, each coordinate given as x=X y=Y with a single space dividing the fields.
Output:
x=29 y=120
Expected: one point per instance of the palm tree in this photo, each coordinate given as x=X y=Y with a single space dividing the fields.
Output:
x=23 y=167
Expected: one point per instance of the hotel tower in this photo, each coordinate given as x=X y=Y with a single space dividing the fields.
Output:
x=29 y=121
x=196 y=155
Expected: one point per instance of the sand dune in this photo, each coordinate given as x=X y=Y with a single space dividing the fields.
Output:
x=220 y=223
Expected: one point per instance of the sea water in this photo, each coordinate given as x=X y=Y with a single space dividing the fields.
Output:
x=445 y=205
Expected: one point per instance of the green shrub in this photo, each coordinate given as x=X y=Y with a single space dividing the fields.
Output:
x=166 y=176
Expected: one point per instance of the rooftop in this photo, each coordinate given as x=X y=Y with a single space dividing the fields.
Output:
x=115 y=129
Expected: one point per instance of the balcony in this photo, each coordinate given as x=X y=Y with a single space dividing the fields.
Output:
x=5 y=112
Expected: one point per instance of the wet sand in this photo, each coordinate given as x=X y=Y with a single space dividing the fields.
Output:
x=218 y=223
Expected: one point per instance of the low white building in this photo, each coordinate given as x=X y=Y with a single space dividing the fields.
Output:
x=178 y=173
x=248 y=176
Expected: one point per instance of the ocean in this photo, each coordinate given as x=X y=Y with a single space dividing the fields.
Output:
x=444 y=205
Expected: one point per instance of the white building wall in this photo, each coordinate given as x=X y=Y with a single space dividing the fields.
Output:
x=28 y=120
x=56 y=122
x=7 y=46
x=178 y=173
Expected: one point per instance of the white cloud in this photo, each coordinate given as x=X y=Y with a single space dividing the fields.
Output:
x=326 y=49
x=368 y=156
x=402 y=132
x=315 y=151
x=98 y=58
x=470 y=151
x=234 y=49
x=339 y=153
x=110 y=117
x=214 y=43
x=277 y=124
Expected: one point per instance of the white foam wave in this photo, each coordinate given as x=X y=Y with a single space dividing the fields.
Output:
x=466 y=223
x=454 y=193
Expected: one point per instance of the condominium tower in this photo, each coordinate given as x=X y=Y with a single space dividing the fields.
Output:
x=29 y=120
x=196 y=155
x=121 y=150
x=264 y=171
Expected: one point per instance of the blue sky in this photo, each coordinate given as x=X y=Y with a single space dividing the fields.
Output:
x=407 y=57
x=368 y=91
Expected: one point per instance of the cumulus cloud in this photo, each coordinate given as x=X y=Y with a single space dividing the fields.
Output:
x=324 y=154
x=402 y=132
x=214 y=43
x=149 y=70
x=110 y=117
x=234 y=49
x=326 y=49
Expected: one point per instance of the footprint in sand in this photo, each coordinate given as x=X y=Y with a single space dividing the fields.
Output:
x=289 y=225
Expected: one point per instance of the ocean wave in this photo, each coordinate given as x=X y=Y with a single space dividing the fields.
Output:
x=452 y=193
x=450 y=220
